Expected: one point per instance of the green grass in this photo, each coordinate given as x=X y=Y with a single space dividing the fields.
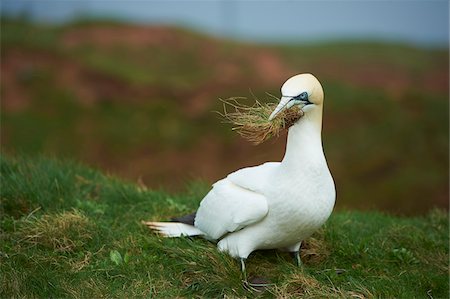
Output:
x=24 y=34
x=70 y=231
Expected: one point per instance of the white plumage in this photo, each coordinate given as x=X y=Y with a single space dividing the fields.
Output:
x=276 y=204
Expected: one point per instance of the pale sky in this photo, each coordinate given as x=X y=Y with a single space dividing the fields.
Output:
x=420 y=22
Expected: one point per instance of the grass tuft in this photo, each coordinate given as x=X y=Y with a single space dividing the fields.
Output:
x=62 y=232
x=252 y=122
x=315 y=250
x=299 y=284
x=303 y=285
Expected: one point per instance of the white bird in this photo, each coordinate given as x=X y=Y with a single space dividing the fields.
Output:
x=275 y=205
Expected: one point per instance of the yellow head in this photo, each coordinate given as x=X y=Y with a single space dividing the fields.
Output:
x=303 y=90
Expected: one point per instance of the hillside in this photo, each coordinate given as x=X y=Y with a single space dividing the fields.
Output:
x=70 y=231
x=136 y=101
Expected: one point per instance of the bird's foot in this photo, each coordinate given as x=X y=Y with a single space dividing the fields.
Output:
x=257 y=284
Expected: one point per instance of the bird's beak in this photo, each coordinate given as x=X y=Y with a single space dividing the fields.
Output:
x=285 y=103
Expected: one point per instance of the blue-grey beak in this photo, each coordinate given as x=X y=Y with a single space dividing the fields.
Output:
x=285 y=103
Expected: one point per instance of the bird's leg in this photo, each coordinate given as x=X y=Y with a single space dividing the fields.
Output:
x=294 y=250
x=257 y=284
x=297 y=259
x=243 y=270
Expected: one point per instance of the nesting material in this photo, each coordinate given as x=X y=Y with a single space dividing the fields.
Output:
x=252 y=122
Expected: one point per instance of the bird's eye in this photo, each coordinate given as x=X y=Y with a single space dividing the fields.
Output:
x=302 y=97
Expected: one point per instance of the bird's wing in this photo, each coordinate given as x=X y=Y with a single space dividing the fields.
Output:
x=254 y=178
x=234 y=202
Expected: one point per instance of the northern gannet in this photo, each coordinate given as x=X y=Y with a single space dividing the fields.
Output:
x=275 y=205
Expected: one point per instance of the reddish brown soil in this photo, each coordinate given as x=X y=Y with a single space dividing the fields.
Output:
x=395 y=81
x=131 y=36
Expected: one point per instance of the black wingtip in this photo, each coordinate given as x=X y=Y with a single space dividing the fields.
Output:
x=186 y=219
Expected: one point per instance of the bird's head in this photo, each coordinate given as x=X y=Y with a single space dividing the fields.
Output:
x=303 y=90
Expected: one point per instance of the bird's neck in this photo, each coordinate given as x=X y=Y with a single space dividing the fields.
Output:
x=304 y=142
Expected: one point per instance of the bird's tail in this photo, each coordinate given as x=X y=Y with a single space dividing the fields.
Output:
x=173 y=229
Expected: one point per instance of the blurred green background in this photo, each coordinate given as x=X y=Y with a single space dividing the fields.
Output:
x=137 y=101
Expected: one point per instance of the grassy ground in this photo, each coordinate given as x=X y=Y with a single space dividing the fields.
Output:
x=70 y=231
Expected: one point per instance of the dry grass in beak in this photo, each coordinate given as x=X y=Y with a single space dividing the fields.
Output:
x=252 y=122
